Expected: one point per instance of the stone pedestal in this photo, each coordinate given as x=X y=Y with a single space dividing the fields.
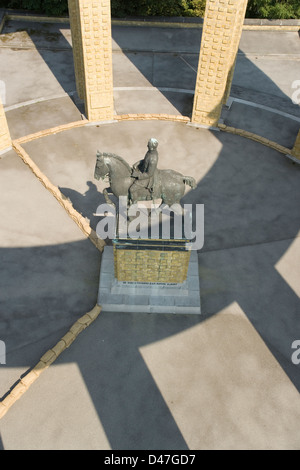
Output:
x=147 y=296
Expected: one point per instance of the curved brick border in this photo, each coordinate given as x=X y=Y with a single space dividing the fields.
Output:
x=143 y=117
x=222 y=127
x=50 y=131
x=63 y=201
x=47 y=359
x=52 y=354
x=152 y=117
x=257 y=138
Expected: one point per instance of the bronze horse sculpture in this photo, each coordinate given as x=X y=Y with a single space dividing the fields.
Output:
x=168 y=185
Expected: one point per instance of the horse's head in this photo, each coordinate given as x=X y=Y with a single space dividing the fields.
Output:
x=101 y=168
x=113 y=165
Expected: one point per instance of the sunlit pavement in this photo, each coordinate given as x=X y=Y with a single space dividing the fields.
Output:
x=222 y=380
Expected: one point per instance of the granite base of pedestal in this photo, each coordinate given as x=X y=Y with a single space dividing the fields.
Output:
x=138 y=297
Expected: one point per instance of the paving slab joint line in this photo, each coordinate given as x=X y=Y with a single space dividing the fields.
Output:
x=153 y=116
x=85 y=122
x=47 y=359
x=51 y=131
x=63 y=200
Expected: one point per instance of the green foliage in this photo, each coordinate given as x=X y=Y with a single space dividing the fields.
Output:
x=273 y=9
x=119 y=8
x=152 y=7
x=195 y=8
x=282 y=9
x=48 y=7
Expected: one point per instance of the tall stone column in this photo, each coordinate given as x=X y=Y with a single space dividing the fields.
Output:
x=296 y=148
x=228 y=84
x=5 y=140
x=91 y=29
x=222 y=28
x=77 y=46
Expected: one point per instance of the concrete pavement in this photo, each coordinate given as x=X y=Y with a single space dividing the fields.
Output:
x=222 y=380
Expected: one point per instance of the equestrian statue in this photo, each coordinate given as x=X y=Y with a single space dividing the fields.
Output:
x=144 y=181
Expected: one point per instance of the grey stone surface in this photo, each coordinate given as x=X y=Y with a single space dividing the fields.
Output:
x=162 y=57
x=135 y=381
x=242 y=116
x=22 y=121
x=240 y=209
x=116 y=296
x=44 y=284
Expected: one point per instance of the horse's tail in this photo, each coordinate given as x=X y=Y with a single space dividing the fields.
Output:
x=190 y=181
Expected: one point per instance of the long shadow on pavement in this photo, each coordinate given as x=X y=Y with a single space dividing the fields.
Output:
x=248 y=228
x=252 y=217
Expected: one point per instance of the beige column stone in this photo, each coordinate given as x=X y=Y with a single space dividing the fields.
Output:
x=236 y=36
x=92 y=32
x=228 y=84
x=5 y=140
x=222 y=28
x=296 y=148
x=77 y=46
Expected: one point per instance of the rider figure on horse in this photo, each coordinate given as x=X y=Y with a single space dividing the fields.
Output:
x=143 y=172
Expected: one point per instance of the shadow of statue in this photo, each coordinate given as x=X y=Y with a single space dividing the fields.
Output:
x=248 y=199
x=86 y=204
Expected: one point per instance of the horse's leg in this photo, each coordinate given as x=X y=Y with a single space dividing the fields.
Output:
x=107 y=199
x=172 y=198
x=136 y=195
x=175 y=206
